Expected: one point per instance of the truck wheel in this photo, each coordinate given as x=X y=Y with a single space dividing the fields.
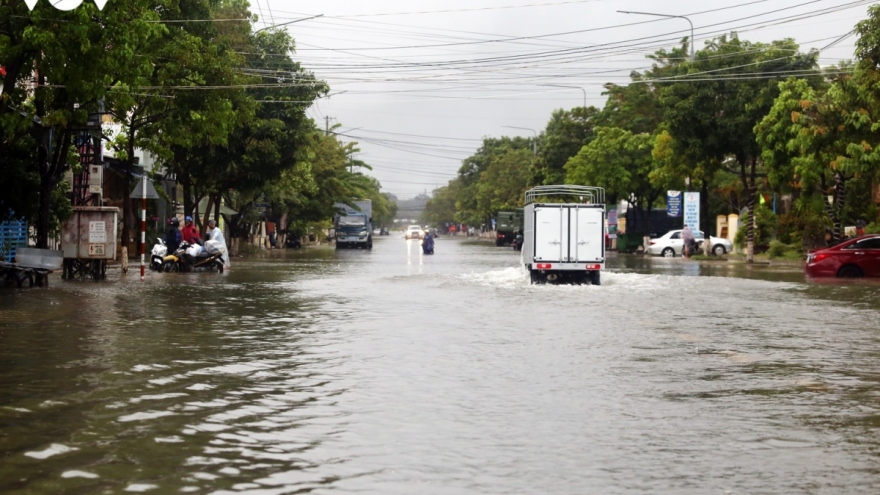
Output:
x=537 y=278
x=595 y=278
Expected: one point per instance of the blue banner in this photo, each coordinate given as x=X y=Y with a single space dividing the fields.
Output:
x=673 y=203
x=692 y=210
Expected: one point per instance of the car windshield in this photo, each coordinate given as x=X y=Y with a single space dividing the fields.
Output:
x=351 y=221
x=415 y=229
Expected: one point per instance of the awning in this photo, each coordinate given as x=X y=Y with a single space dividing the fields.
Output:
x=203 y=205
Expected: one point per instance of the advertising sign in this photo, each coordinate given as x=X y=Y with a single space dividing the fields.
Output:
x=692 y=210
x=673 y=203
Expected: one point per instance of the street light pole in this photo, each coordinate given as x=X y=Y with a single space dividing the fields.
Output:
x=534 y=144
x=573 y=87
x=286 y=23
x=670 y=16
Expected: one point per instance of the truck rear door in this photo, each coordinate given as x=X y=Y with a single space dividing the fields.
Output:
x=551 y=233
x=587 y=234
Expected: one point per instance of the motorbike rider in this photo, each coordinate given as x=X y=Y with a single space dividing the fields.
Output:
x=215 y=234
x=173 y=235
x=190 y=232
x=428 y=243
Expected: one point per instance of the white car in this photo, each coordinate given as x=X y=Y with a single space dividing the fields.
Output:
x=670 y=244
x=414 y=232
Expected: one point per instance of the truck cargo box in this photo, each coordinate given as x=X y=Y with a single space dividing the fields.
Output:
x=564 y=242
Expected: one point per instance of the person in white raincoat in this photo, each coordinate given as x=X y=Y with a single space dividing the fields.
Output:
x=215 y=234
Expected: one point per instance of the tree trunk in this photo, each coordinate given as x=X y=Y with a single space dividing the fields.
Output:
x=705 y=223
x=840 y=203
x=750 y=228
x=45 y=190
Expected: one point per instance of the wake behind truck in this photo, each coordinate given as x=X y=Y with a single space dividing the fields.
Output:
x=354 y=226
x=564 y=242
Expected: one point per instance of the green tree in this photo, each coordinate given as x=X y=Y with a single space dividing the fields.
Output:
x=51 y=45
x=565 y=134
x=619 y=161
x=715 y=102
x=505 y=181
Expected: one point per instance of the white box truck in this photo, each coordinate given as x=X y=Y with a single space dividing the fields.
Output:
x=564 y=242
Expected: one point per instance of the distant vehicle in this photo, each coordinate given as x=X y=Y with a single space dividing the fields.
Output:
x=564 y=242
x=383 y=231
x=670 y=244
x=852 y=258
x=507 y=225
x=354 y=226
x=414 y=232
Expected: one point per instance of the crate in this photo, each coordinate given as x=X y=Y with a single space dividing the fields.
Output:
x=13 y=233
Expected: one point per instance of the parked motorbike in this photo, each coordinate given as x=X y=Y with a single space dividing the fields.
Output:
x=157 y=255
x=189 y=259
x=696 y=248
x=293 y=241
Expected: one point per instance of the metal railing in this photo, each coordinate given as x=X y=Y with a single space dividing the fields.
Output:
x=585 y=194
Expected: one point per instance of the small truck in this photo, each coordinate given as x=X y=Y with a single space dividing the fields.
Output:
x=354 y=226
x=564 y=242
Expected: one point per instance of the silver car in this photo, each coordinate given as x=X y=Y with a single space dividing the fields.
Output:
x=670 y=244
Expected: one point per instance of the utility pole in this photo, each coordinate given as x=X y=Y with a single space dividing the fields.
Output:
x=690 y=41
x=327 y=125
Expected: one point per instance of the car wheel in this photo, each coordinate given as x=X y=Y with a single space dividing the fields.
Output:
x=719 y=250
x=849 y=271
x=668 y=253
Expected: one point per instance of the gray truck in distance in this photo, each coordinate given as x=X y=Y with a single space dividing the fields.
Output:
x=354 y=226
x=564 y=242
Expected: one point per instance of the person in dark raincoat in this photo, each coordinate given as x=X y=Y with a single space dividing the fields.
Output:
x=428 y=243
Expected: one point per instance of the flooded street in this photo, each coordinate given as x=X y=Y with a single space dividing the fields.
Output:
x=388 y=372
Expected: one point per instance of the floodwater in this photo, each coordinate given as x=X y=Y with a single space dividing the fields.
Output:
x=388 y=372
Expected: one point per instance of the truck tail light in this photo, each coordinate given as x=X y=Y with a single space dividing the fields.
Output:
x=500 y=236
x=544 y=266
x=594 y=267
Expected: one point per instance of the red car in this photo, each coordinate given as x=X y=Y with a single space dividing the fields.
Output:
x=852 y=258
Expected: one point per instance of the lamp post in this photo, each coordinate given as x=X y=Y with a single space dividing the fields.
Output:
x=573 y=87
x=534 y=144
x=670 y=16
x=286 y=23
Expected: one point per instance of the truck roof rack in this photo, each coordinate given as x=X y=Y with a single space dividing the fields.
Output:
x=585 y=194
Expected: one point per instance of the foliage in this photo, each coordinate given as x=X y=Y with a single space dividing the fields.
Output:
x=617 y=160
x=765 y=229
x=779 y=249
x=565 y=134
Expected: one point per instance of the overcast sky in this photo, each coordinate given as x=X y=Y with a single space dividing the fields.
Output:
x=419 y=83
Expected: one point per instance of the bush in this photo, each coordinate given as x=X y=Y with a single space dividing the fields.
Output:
x=872 y=228
x=779 y=249
x=765 y=228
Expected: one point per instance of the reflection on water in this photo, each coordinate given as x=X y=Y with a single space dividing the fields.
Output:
x=387 y=371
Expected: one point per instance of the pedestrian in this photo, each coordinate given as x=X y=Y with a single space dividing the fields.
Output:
x=190 y=232
x=216 y=235
x=688 y=241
